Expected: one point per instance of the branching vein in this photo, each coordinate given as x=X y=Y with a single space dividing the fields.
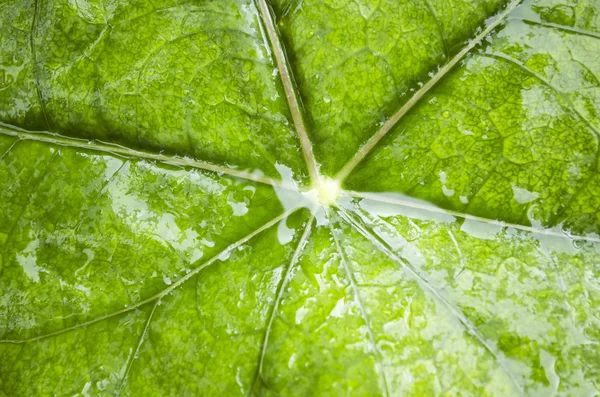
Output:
x=134 y=354
x=425 y=284
x=560 y=27
x=288 y=86
x=430 y=208
x=365 y=149
x=440 y=28
x=278 y=296
x=167 y=290
x=55 y=139
x=363 y=312
x=522 y=66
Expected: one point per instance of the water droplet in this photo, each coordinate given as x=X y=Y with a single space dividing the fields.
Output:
x=446 y=114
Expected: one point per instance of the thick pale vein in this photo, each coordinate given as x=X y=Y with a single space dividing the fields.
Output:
x=426 y=286
x=288 y=85
x=56 y=139
x=370 y=144
x=554 y=232
x=364 y=150
x=8 y=150
x=363 y=312
x=278 y=296
x=167 y=290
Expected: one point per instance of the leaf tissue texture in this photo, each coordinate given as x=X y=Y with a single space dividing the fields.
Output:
x=299 y=198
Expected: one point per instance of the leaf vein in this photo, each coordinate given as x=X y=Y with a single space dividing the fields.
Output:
x=569 y=29
x=36 y=76
x=415 y=205
x=440 y=28
x=133 y=354
x=288 y=86
x=522 y=66
x=278 y=297
x=165 y=291
x=99 y=146
x=366 y=148
x=363 y=313
x=425 y=284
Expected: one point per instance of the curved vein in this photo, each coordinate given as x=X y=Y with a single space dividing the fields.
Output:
x=440 y=28
x=278 y=297
x=370 y=144
x=59 y=140
x=522 y=66
x=469 y=327
x=430 y=208
x=34 y=61
x=165 y=291
x=133 y=354
x=363 y=312
x=558 y=26
x=288 y=86
x=584 y=185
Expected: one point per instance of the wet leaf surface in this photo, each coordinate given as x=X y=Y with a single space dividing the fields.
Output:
x=366 y=198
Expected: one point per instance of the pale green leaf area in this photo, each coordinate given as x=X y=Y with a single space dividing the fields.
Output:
x=299 y=198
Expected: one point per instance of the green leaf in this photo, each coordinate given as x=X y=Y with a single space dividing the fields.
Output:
x=293 y=198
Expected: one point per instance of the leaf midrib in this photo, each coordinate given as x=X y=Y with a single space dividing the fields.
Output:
x=363 y=151
x=368 y=146
x=292 y=98
x=285 y=69
x=285 y=280
x=381 y=198
x=428 y=288
x=288 y=86
x=361 y=308
x=94 y=145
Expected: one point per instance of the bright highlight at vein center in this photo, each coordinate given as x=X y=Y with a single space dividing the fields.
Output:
x=328 y=190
